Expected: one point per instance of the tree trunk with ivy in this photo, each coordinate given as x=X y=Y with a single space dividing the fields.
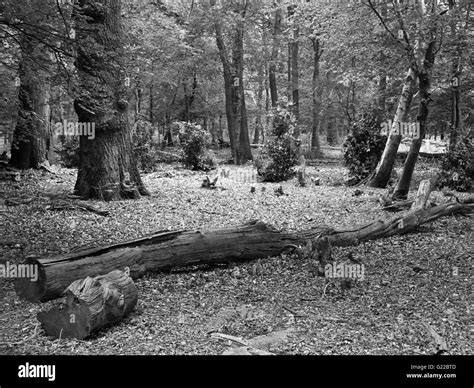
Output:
x=107 y=167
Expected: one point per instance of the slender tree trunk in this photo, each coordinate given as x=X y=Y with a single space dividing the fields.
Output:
x=332 y=131
x=382 y=87
x=274 y=58
x=315 y=142
x=107 y=167
x=221 y=131
x=295 y=93
x=455 y=88
x=186 y=103
x=424 y=82
x=382 y=100
x=32 y=134
x=244 y=150
x=384 y=168
x=138 y=99
x=228 y=90
x=258 y=120
x=151 y=93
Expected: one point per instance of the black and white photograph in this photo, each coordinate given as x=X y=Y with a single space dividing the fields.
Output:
x=288 y=179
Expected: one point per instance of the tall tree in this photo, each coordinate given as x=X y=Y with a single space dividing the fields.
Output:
x=233 y=71
x=315 y=108
x=294 y=70
x=274 y=56
x=455 y=80
x=423 y=70
x=32 y=135
x=382 y=172
x=107 y=167
x=37 y=27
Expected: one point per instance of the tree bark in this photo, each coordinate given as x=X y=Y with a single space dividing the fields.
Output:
x=165 y=250
x=107 y=167
x=89 y=305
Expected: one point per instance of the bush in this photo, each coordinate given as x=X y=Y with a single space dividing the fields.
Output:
x=145 y=149
x=194 y=147
x=68 y=151
x=457 y=168
x=280 y=152
x=277 y=159
x=363 y=147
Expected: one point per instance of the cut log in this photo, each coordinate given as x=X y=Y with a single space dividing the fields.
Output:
x=422 y=195
x=91 y=304
x=165 y=250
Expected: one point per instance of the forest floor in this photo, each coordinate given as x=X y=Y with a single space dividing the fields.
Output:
x=284 y=308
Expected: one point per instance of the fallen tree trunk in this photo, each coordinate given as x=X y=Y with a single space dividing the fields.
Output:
x=91 y=304
x=168 y=249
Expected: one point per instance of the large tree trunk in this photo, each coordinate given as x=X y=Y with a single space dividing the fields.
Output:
x=107 y=167
x=165 y=250
x=274 y=57
x=32 y=135
x=315 y=142
x=90 y=305
x=384 y=168
x=424 y=82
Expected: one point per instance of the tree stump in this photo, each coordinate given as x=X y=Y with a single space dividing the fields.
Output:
x=91 y=304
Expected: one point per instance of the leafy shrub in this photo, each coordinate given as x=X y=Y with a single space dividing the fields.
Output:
x=145 y=149
x=68 y=151
x=194 y=142
x=280 y=153
x=277 y=159
x=457 y=168
x=363 y=147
